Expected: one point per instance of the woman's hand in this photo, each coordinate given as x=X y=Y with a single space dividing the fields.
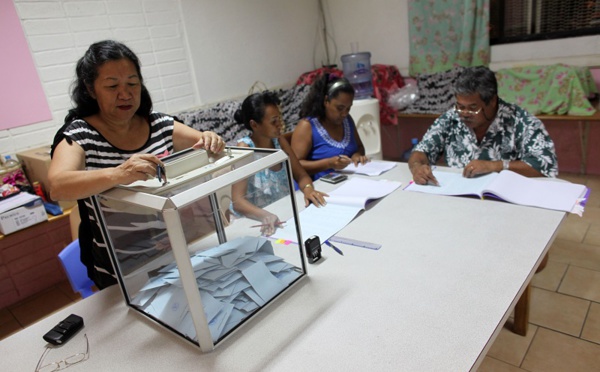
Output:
x=210 y=141
x=270 y=222
x=139 y=167
x=339 y=162
x=358 y=158
x=313 y=196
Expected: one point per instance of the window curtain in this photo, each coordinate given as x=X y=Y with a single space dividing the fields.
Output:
x=446 y=34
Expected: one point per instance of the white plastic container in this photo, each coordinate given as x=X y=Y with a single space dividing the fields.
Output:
x=365 y=113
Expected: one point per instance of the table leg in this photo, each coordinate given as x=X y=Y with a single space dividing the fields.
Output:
x=521 y=321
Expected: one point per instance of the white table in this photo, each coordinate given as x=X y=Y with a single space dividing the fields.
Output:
x=433 y=298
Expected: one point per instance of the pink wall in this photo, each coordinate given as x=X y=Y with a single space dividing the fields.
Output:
x=23 y=99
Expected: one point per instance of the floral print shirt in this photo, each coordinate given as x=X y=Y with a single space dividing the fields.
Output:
x=513 y=135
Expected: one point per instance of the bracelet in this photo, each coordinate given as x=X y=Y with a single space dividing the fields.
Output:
x=306 y=186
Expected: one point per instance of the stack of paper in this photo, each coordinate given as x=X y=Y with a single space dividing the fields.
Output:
x=234 y=279
x=372 y=168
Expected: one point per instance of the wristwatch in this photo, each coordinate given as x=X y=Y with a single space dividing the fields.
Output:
x=505 y=164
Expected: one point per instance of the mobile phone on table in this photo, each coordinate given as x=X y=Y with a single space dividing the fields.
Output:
x=64 y=330
x=334 y=178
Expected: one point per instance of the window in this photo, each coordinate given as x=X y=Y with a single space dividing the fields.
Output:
x=514 y=21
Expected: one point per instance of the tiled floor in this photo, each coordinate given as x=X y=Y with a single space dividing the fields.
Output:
x=564 y=330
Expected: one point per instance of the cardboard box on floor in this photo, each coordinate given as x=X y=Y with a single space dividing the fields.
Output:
x=36 y=163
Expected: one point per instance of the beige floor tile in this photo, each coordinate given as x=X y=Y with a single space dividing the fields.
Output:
x=591 y=328
x=580 y=282
x=510 y=347
x=573 y=229
x=40 y=306
x=551 y=276
x=591 y=214
x=553 y=351
x=577 y=254
x=557 y=311
x=593 y=235
x=495 y=365
x=594 y=199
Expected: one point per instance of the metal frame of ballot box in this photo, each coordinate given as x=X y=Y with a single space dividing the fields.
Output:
x=181 y=263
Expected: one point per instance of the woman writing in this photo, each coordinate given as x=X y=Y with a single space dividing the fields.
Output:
x=111 y=137
x=326 y=139
x=260 y=114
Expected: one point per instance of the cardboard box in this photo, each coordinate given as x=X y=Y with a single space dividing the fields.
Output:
x=36 y=163
x=21 y=211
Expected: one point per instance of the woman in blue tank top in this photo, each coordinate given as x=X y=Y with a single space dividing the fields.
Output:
x=326 y=139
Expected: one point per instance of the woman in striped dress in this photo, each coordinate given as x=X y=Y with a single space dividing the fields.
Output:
x=111 y=137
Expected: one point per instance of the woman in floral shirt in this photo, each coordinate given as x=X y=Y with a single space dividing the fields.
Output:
x=484 y=134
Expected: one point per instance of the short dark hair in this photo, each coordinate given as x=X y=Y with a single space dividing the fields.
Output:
x=328 y=85
x=479 y=79
x=254 y=107
x=87 y=72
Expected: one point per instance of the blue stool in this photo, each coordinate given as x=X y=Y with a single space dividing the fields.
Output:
x=76 y=271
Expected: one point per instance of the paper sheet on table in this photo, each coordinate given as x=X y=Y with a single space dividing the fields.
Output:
x=372 y=168
x=343 y=204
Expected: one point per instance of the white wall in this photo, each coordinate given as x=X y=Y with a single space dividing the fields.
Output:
x=235 y=43
x=379 y=27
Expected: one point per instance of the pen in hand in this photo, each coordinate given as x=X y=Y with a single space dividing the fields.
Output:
x=276 y=224
x=334 y=247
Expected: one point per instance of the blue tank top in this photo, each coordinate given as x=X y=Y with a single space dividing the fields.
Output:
x=323 y=146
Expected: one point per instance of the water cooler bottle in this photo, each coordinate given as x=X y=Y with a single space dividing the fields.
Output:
x=365 y=113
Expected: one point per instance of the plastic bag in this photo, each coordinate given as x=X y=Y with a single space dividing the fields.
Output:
x=404 y=97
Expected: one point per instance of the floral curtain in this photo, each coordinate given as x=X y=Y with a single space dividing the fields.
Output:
x=449 y=33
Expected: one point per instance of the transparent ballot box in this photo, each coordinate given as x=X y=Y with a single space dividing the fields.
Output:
x=194 y=254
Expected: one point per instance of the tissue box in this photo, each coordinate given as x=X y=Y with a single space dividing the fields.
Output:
x=21 y=211
x=36 y=163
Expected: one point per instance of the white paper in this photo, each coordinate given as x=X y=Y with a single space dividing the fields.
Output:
x=372 y=168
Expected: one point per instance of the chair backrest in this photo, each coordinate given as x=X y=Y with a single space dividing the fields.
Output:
x=76 y=271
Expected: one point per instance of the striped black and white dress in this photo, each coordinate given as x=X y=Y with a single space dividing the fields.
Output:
x=99 y=154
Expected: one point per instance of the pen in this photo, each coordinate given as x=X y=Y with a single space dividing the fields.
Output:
x=279 y=223
x=334 y=247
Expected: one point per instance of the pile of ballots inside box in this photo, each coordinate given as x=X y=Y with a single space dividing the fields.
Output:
x=234 y=279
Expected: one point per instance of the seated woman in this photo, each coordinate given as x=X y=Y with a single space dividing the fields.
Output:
x=326 y=139
x=260 y=114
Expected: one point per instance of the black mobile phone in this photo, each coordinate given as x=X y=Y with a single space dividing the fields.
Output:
x=334 y=178
x=64 y=330
x=312 y=246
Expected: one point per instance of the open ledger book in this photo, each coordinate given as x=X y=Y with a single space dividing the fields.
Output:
x=511 y=187
x=343 y=204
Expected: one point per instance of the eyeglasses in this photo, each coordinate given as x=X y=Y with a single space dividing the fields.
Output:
x=65 y=363
x=466 y=112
